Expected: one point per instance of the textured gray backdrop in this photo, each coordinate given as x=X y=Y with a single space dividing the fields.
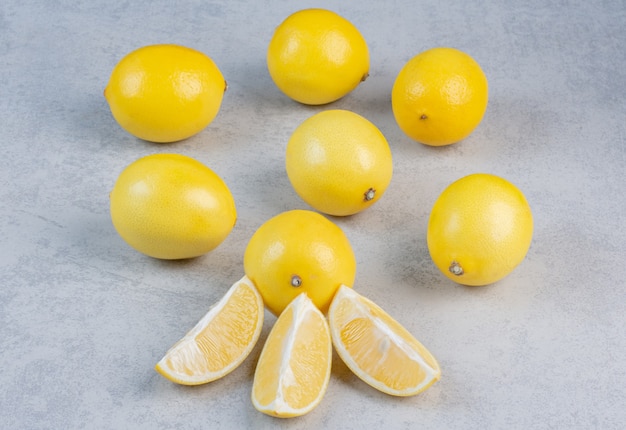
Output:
x=84 y=318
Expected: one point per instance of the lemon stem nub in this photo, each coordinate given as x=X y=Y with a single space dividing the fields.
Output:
x=423 y=116
x=369 y=194
x=296 y=281
x=455 y=268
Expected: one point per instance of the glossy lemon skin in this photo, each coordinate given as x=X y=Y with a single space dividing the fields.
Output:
x=170 y=206
x=440 y=96
x=339 y=162
x=165 y=93
x=299 y=245
x=480 y=229
x=315 y=56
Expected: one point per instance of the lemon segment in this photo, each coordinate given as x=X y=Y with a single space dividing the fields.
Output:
x=165 y=93
x=377 y=348
x=293 y=370
x=316 y=56
x=220 y=341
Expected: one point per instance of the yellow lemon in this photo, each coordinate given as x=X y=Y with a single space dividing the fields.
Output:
x=316 y=56
x=293 y=370
x=377 y=348
x=171 y=206
x=338 y=162
x=220 y=341
x=440 y=96
x=480 y=229
x=299 y=251
x=165 y=93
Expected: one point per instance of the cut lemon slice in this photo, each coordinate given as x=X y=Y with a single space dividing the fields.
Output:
x=377 y=348
x=220 y=341
x=293 y=371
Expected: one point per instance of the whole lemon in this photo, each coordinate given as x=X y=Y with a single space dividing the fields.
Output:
x=480 y=229
x=316 y=56
x=440 y=96
x=171 y=206
x=338 y=162
x=165 y=93
x=299 y=251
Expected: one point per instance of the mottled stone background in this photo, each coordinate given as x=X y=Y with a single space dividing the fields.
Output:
x=84 y=318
